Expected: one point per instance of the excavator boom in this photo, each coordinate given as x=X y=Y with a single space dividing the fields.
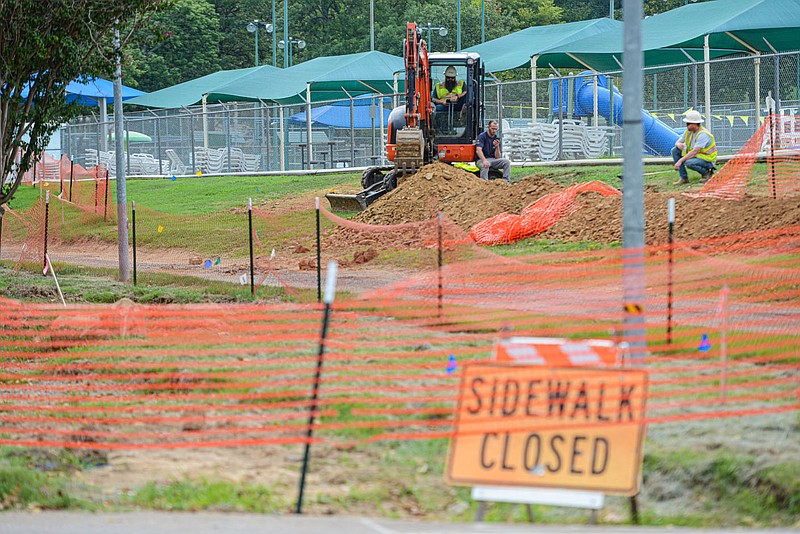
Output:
x=411 y=140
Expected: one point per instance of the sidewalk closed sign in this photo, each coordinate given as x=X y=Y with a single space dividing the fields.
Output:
x=552 y=427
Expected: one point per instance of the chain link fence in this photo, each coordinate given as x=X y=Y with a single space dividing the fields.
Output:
x=556 y=116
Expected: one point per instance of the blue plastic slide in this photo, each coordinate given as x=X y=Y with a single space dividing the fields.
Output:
x=658 y=137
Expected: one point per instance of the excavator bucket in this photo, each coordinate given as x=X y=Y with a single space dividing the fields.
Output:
x=355 y=202
x=358 y=201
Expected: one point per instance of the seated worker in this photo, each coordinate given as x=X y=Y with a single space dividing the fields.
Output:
x=696 y=149
x=449 y=93
x=488 y=153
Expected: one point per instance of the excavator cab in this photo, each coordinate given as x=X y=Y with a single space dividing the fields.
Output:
x=455 y=123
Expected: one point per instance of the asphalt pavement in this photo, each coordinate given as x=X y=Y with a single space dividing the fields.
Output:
x=216 y=523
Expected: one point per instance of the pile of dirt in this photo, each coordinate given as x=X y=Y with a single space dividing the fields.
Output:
x=461 y=196
x=599 y=218
x=466 y=200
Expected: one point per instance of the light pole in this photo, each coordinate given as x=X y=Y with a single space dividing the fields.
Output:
x=301 y=44
x=441 y=29
x=371 y=25
x=285 y=30
x=458 y=25
x=483 y=20
x=274 y=43
x=252 y=27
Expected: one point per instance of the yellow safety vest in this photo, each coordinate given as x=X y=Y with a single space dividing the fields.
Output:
x=442 y=91
x=706 y=154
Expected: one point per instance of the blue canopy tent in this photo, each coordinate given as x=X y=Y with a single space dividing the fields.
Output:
x=337 y=115
x=93 y=91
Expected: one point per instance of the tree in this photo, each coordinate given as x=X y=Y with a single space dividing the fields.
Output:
x=46 y=44
x=186 y=47
x=521 y=14
x=236 y=44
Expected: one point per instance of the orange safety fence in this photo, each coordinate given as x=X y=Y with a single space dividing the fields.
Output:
x=85 y=188
x=777 y=141
x=537 y=217
x=721 y=327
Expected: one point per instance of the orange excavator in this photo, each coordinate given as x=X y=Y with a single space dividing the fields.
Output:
x=421 y=132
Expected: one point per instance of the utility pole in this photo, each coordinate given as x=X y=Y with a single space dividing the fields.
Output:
x=119 y=148
x=633 y=184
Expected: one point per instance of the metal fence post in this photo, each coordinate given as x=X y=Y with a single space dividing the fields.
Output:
x=127 y=148
x=133 y=230
x=228 y=136
x=283 y=133
x=267 y=140
x=158 y=145
x=250 y=240
x=352 y=134
x=46 y=224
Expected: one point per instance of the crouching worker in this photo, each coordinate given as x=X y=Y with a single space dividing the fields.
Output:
x=696 y=149
x=488 y=153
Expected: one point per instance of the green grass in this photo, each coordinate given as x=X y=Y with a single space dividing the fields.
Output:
x=188 y=495
x=538 y=246
x=96 y=285
x=201 y=195
x=26 y=483
x=734 y=489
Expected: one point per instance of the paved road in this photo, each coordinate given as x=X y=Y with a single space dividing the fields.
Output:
x=210 y=523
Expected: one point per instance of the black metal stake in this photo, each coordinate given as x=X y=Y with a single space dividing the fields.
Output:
x=330 y=289
x=46 y=223
x=133 y=230
x=440 y=296
x=319 y=259
x=773 y=138
x=252 y=265
x=96 y=186
x=671 y=219
x=105 y=205
x=2 y=211
x=71 y=175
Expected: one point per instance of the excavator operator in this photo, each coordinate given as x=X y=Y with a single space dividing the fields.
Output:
x=451 y=92
x=449 y=100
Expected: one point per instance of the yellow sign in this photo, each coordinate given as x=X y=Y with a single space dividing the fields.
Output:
x=536 y=426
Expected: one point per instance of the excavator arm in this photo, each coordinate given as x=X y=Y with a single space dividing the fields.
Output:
x=413 y=143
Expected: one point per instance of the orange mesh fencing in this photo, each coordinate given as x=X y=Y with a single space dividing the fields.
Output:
x=84 y=188
x=778 y=141
x=537 y=217
x=721 y=325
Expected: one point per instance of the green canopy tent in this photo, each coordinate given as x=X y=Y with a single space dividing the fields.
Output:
x=699 y=32
x=722 y=27
x=522 y=48
x=517 y=49
x=325 y=78
x=320 y=79
x=191 y=92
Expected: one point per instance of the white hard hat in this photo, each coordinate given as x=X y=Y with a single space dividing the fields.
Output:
x=693 y=117
x=450 y=71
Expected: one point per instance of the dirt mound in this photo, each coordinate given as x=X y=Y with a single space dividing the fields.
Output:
x=599 y=218
x=466 y=200
x=461 y=196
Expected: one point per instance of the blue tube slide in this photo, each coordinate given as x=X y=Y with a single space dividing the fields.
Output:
x=658 y=137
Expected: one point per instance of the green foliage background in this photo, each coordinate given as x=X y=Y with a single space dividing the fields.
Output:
x=208 y=35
